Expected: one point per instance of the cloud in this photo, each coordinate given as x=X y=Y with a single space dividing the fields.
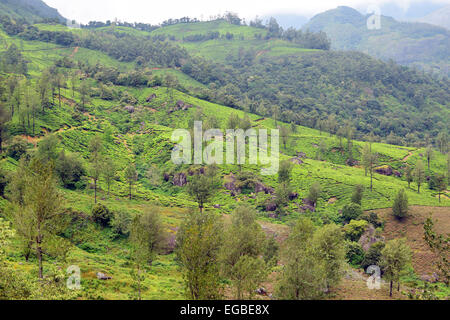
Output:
x=158 y=11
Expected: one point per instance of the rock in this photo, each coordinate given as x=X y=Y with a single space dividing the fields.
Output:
x=130 y=109
x=369 y=238
x=102 y=276
x=271 y=207
x=427 y=278
x=217 y=206
x=261 y=291
x=384 y=170
x=398 y=174
x=180 y=179
x=166 y=177
x=293 y=196
x=150 y=98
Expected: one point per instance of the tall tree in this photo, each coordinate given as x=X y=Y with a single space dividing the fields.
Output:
x=366 y=155
x=4 y=118
x=131 y=176
x=409 y=175
x=314 y=193
x=203 y=187
x=147 y=238
x=419 y=174
x=400 y=207
x=42 y=203
x=429 y=154
x=109 y=171
x=198 y=245
x=358 y=194
x=395 y=257
x=441 y=184
x=242 y=250
x=440 y=245
x=96 y=161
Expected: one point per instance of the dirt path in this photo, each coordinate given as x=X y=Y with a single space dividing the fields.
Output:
x=74 y=52
x=410 y=153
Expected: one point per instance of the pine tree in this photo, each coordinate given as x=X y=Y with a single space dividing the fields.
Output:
x=400 y=207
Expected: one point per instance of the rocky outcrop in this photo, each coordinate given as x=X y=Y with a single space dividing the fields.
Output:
x=369 y=237
x=179 y=180
x=102 y=276
x=384 y=170
x=151 y=98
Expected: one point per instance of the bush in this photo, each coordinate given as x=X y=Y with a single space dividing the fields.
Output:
x=355 y=229
x=120 y=223
x=373 y=219
x=358 y=194
x=351 y=211
x=17 y=148
x=400 y=207
x=70 y=170
x=373 y=256
x=355 y=253
x=101 y=215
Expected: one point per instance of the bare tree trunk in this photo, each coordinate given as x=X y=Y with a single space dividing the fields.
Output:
x=390 y=289
x=95 y=190
x=39 y=252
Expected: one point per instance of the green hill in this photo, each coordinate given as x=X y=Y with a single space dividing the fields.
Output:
x=407 y=43
x=30 y=10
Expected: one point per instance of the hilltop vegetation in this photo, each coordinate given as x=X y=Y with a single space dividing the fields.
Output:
x=30 y=10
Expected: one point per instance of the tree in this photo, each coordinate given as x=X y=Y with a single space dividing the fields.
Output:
x=85 y=93
x=395 y=257
x=366 y=156
x=284 y=134
x=284 y=173
x=400 y=207
x=358 y=194
x=419 y=174
x=96 y=160
x=203 y=187
x=409 y=175
x=109 y=172
x=43 y=89
x=329 y=246
x=442 y=142
x=74 y=79
x=351 y=211
x=441 y=184
x=148 y=238
x=41 y=203
x=242 y=250
x=429 y=155
x=198 y=245
x=440 y=245
x=48 y=149
x=4 y=118
x=303 y=276
x=131 y=176
x=314 y=193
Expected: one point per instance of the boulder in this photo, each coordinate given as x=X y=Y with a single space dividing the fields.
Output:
x=129 y=109
x=293 y=196
x=150 y=98
x=261 y=291
x=102 y=276
x=180 y=179
x=384 y=170
x=271 y=207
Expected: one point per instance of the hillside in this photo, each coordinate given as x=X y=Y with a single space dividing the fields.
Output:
x=407 y=43
x=30 y=10
x=101 y=103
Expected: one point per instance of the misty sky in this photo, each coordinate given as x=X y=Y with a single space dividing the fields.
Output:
x=151 y=11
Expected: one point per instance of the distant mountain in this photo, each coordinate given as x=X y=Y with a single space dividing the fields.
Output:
x=407 y=43
x=31 y=10
x=439 y=17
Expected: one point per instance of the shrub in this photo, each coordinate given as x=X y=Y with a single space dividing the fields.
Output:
x=373 y=256
x=373 y=219
x=358 y=194
x=70 y=170
x=355 y=253
x=355 y=229
x=400 y=207
x=120 y=223
x=351 y=211
x=101 y=215
x=17 y=148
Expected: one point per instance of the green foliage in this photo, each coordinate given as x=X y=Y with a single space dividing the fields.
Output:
x=355 y=229
x=351 y=211
x=202 y=187
x=199 y=241
x=314 y=193
x=358 y=194
x=373 y=256
x=395 y=257
x=70 y=170
x=355 y=253
x=400 y=206
x=101 y=215
x=439 y=244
